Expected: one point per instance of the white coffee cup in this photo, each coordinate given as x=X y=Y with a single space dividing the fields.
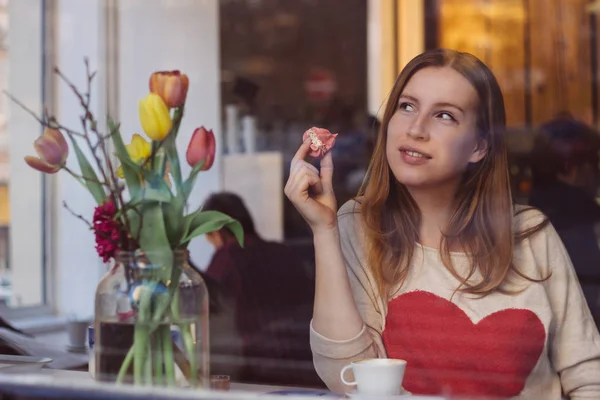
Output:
x=377 y=376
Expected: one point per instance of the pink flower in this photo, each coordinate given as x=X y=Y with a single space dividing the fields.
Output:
x=201 y=147
x=52 y=150
x=106 y=230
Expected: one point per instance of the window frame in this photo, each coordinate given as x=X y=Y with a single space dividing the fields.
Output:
x=38 y=254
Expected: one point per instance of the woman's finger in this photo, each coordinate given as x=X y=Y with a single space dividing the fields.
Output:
x=301 y=167
x=299 y=184
x=301 y=153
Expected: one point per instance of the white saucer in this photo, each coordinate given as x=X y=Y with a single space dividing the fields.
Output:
x=354 y=394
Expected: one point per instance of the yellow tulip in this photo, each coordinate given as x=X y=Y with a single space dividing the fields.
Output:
x=139 y=150
x=155 y=117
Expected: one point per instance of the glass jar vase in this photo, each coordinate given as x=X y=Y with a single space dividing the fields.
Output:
x=149 y=331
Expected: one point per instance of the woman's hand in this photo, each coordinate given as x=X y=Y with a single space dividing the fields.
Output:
x=311 y=192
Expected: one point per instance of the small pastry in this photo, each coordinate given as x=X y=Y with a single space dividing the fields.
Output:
x=321 y=141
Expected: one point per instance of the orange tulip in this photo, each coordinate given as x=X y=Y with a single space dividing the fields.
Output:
x=172 y=86
x=52 y=150
x=201 y=148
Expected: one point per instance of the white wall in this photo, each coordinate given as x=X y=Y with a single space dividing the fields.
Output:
x=258 y=179
x=165 y=35
x=77 y=267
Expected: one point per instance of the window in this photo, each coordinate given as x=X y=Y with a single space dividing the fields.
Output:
x=5 y=281
x=290 y=65
x=547 y=66
x=22 y=226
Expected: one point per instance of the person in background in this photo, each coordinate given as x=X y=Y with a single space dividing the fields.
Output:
x=272 y=295
x=564 y=166
x=356 y=176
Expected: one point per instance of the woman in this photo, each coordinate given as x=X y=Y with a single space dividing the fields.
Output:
x=429 y=265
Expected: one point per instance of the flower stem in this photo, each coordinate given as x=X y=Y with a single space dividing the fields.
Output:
x=157 y=346
x=142 y=335
x=149 y=327
x=188 y=341
x=148 y=364
x=165 y=332
x=125 y=366
x=140 y=345
x=163 y=306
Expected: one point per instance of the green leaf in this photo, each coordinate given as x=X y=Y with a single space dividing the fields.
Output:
x=177 y=117
x=159 y=162
x=173 y=158
x=173 y=212
x=157 y=182
x=202 y=222
x=134 y=215
x=189 y=182
x=155 y=189
x=131 y=171
x=89 y=175
x=156 y=194
x=153 y=235
x=171 y=148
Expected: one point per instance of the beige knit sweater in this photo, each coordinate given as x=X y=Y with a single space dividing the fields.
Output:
x=537 y=344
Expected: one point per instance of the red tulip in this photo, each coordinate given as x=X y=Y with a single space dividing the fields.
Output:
x=201 y=148
x=172 y=86
x=52 y=150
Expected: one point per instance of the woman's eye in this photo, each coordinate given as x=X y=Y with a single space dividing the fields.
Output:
x=406 y=107
x=446 y=116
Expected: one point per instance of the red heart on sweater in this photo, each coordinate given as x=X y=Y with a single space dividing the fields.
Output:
x=447 y=353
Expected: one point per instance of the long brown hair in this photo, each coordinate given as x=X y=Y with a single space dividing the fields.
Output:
x=480 y=223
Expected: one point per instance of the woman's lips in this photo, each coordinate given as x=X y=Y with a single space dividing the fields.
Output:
x=414 y=157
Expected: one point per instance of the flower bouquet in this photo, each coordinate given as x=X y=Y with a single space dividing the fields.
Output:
x=151 y=308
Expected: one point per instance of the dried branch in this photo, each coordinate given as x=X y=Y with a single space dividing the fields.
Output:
x=81 y=217
x=77 y=176
x=46 y=120
x=110 y=175
x=54 y=124
x=24 y=107
x=82 y=99
x=98 y=148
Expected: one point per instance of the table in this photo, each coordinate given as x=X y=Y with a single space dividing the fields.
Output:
x=81 y=376
x=52 y=383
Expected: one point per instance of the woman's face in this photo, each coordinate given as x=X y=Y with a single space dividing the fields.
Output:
x=432 y=137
